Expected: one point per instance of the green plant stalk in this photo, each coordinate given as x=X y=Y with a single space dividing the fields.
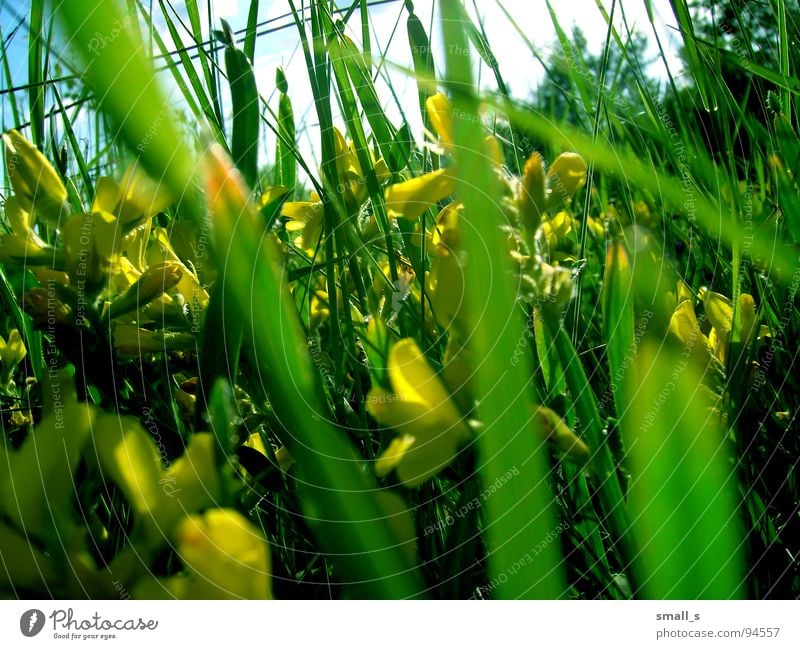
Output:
x=36 y=71
x=604 y=469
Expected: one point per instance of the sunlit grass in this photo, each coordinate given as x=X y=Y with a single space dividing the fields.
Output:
x=513 y=354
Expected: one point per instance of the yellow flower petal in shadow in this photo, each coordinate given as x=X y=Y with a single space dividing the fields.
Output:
x=446 y=238
x=226 y=555
x=22 y=245
x=684 y=327
x=420 y=409
x=305 y=217
x=445 y=283
x=91 y=243
x=33 y=178
x=532 y=191
x=12 y=351
x=719 y=310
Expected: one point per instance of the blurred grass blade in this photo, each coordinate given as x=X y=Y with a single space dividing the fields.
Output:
x=521 y=513
x=339 y=495
x=618 y=317
x=681 y=496
x=127 y=91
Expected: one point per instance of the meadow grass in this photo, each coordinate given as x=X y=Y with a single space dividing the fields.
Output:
x=517 y=355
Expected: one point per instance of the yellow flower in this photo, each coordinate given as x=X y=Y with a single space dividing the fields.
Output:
x=719 y=311
x=132 y=341
x=134 y=200
x=440 y=114
x=445 y=284
x=684 y=327
x=91 y=245
x=154 y=282
x=226 y=556
x=188 y=286
x=412 y=197
x=446 y=237
x=557 y=228
x=565 y=176
x=531 y=196
x=305 y=217
x=33 y=178
x=12 y=351
x=555 y=430
x=420 y=409
x=22 y=245
x=538 y=192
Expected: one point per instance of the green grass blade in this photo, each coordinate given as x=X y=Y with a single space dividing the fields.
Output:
x=250 y=35
x=286 y=142
x=618 y=318
x=245 y=105
x=36 y=71
x=682 y=502
x=522 y=511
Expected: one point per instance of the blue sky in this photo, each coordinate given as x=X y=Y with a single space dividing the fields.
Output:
x=281 y=47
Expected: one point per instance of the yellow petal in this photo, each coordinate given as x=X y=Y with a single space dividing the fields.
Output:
x=346 y=161
x=18 y=217
x=390 y=459
x=90 y=243
x=719 y=310
x=13 y=351
x=532 y=189
x=566 y=176
x=446 y=238
x=494 y=150
x=446 y=289
x=412 y=197
x=26 y=249
x=440 y=113
x=414 y=381
x=33 y=178
x=106 y=195
x=683 y=323
x=141 y=197
x=226 y=555
x=747 y=318
x=272 y=193
x=190 y=484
